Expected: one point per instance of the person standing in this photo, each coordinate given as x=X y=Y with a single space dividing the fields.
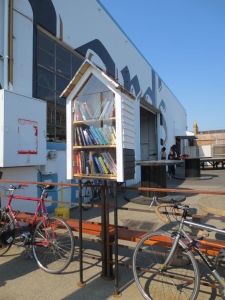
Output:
x=171 y=168
x=163 y=153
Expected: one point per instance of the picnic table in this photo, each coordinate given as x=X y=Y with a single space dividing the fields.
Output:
x=153 y=174
x=213 y=161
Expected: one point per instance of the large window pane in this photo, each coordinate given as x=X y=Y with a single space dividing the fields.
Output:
x=61 y=83
x=45 y=94
x=46 y=60
x=46 y=78
x=63 y=69
x=45 y=43
x=63 y=54
x=56 y=66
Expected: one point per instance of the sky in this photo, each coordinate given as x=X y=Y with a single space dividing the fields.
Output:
x=184 y=42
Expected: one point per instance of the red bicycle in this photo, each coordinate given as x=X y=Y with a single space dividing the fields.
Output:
x=49 y=238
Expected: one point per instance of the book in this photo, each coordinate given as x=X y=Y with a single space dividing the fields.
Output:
x=82 y=112
x=87 y=137
x=79 y=136
x=111 y=161
x=82 y=136
x=88 y=110
x=91 y=136
x=95 y=164
x=91 y=166
x=107 y=162
x=95 y=135
x=103 y=142
x=98 y=164
x=104 y=135
x=104 y=109
x=109 y=109
x=102 y=104
x=78 y=163
x=107 y=134
x=76 y=141
x=77 y=114
x=106 y=171
x=97 y=110
x=83 y=165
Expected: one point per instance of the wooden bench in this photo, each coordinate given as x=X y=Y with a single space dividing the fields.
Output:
x=208 y=246
x=214 y=162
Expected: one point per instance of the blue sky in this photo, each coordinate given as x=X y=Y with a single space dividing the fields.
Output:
x=184 y=42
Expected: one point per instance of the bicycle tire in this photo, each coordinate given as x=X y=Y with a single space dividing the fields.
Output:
x=53 y=245
x=87 y=195
x=7 y=230
x=179 y=281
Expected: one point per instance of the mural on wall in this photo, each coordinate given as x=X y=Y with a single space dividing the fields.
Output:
x=162 y=108
x=45 y=15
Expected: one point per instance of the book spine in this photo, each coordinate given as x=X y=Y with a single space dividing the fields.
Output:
x=87 y=138
x=107 y=134
x=97 y=139
x=88 y=110
x=99 y=165
x=101 y=108
x=78 y=163
x=91 y=162
x=112 y=162
x=97 y=110
x=106 y=171
x=82 y=112
x=100 y=136
x=104 y=135
x=79 y=136
x=95 y=166
x=82 y=157
x=109 y=110
x=91 y=136
x=82 y=136
x=107 y=162
x=85 y=112
x=104 y=109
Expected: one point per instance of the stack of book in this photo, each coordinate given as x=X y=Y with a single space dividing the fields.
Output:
x=105 y=135
x=105 y=109
x=95 y=163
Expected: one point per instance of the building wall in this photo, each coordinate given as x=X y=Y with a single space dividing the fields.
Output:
x=80 y=24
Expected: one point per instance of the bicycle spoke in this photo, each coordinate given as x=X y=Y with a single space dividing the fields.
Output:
x=156 y=281
x=53 y=245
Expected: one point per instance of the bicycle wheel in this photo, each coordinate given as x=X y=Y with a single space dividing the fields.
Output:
x=7 y=231
x=87 y=196
x=53 y=244
x=180 y=280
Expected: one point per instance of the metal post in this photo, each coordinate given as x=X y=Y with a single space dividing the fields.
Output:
x=116 y=293
x=81 y=283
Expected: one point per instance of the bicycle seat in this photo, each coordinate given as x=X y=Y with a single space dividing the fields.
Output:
x=171 y=199
x=46 y=186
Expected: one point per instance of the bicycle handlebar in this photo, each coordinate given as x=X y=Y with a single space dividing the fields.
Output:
x=159 y=213
x=19 y=186
x=175 y=206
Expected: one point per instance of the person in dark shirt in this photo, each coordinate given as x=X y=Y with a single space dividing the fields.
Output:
x=171 y=168
x=163 y=153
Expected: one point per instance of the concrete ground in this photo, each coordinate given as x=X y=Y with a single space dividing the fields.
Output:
x=21 y=278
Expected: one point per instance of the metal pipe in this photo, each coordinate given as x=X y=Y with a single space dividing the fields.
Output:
x=10 y=46
x=5 y=44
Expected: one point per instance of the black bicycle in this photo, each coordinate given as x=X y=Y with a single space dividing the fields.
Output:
x=90 y=194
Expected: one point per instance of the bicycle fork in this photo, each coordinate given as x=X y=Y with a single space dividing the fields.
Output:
x=171 y=253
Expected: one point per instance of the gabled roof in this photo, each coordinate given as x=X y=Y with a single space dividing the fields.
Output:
x=83 y=68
